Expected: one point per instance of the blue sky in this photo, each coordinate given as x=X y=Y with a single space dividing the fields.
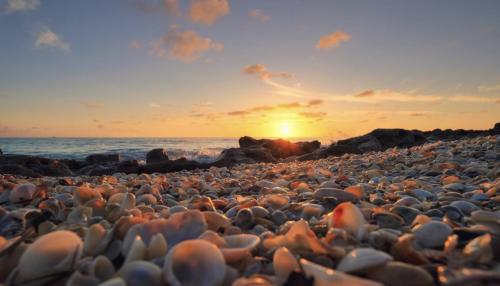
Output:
x=421 y=64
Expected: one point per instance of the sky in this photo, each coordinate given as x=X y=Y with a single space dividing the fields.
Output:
x=265 y=68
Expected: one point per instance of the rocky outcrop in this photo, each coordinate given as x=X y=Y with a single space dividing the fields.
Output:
x=156 y=156
x=280 y=148
x=377 y=140
x=250 y=151
x=32 y=166
x=103 y=158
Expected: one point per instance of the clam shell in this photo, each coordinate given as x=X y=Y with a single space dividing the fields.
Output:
x=284 y=263
x=194 y=262
x=238 y=246
x=361 y=259
x=51 y=253
x=178 y=227
x=432 y=234
x=328 y=277
x=398 y=273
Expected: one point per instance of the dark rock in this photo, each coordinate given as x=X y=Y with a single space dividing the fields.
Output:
x=156 y=156
x=233 y=156
x=496 y=129
x=103 y=158
x=32 y=166
x=377 y=140
x=173 y=166
x=128 y=167
x=280 y=148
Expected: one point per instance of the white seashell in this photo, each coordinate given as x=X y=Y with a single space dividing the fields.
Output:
x=194 y=262
x=348 y=217
x=178 y=227
x=327 y=277
x=137 y=251
x=157 y=247
x=51 y=253
x=213 y=237
x=238 y=246
x=361 y=259
x=141 y=273
x=299 y=236
x=216 y=221
x=93 y=238
x=284 y=263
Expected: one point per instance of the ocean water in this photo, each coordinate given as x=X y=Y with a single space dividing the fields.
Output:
x=200 y=149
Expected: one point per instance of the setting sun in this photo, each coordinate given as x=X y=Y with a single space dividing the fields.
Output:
x=285 y=129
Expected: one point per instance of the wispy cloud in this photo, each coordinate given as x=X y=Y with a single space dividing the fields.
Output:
x=154 y=105
x=258 y=15
x=333 y=40
x=186 y=46
x=489 y=88
x=206 y=12
x=263 y=73
x=282 y=106
x=46 y=37
x=366 y=93
x=474 y=99
x=135 y=44
x=92 y=105
x=314 y=115
x=21 y=5
x=315 y=102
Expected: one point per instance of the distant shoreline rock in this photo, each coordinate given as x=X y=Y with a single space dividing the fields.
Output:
x=250 y=151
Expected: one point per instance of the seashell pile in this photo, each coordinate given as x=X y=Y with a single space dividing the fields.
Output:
x=427 y=215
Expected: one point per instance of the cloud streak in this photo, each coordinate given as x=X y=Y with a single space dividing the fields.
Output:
x=186 y=46
x=282 y=106
x=333 y=40
x=489 y=88
x=258 y=15
x=46 y=37
x=261 y=71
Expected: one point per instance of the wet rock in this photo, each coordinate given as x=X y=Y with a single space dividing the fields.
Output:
x=156 y=156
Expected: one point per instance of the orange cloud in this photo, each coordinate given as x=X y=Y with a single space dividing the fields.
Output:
x=366 y=93
x=172 y=7
x=135 y=44
x=333 y=40
x=259 y=15
x=263 y=73
x=313 y=115
x=257 y=109
x=185 y=46
x=315 y=102
x=206 y=12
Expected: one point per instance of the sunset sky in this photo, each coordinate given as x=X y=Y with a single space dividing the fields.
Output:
x=264 y=68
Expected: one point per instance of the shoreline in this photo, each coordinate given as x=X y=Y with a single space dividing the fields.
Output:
x=429 y=212
x=250 y=151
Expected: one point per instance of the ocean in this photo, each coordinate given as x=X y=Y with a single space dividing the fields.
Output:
x=200 y=149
